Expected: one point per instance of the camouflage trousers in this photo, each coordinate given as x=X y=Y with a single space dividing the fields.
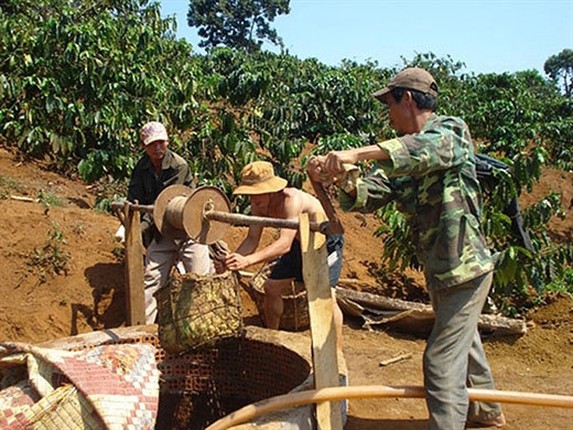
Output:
x=454 y=358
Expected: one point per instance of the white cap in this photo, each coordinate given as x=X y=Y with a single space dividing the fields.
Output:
x=153 y=131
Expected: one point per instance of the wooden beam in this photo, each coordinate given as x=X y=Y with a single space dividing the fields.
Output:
x=323 y=332
x=134 y=294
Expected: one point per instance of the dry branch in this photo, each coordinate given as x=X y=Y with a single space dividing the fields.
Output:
x=396 y=359
x=24 y=199
x=416 y=317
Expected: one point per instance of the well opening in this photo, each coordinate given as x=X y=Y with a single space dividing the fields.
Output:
x=199 y=387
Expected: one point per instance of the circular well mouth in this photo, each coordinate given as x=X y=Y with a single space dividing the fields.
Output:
x=197 y=388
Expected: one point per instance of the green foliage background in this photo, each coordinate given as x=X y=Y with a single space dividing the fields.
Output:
x=78 y=79
x=239 y=24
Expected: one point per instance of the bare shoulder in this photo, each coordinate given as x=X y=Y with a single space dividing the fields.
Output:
x=306 y=202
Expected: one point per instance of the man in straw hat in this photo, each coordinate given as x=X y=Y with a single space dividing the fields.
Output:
x=270 y=197
x=429 y=171
x=157 y=169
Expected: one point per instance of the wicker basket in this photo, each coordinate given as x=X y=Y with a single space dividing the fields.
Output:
x=195 y=311
x=295 y=316
x=63 y=409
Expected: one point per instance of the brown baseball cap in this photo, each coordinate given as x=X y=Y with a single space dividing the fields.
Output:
x=411 y=78
x=259 y=177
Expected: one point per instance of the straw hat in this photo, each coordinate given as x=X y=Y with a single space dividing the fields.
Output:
x=259 y=177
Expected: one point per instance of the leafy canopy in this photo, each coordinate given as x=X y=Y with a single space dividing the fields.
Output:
x=77 y=81
x=560 y=66
x=240 y=24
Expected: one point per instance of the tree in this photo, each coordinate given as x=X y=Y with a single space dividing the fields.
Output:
x=560 y=66
x=242 y=24
x=78 y=78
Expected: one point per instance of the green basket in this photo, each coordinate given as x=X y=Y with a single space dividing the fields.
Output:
x=195 y=311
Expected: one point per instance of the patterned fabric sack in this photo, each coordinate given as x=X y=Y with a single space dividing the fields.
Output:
x=109 y=387
x=195 y=311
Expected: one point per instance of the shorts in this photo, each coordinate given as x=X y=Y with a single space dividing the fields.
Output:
x=290 y=264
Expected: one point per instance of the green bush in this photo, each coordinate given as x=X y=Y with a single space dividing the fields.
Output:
x=78 y=79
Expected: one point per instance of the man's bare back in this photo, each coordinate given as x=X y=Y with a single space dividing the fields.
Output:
x=290 y=203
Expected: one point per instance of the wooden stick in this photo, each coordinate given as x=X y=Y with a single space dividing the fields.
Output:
x=396 y=359
x=236 y=219
x=301 y=398
x=248 y=220
x=335 y=226
x=132 y=206
x=24 y=199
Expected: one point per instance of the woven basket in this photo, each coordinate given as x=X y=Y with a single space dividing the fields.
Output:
x=195 y=311
x=295 y=316
x=63 y=409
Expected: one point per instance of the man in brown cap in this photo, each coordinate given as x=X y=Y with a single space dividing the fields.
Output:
x=158 y=168
x=270 y=197
x=429 y=171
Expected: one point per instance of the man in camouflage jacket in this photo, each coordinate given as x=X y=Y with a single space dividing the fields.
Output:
x=429 y=171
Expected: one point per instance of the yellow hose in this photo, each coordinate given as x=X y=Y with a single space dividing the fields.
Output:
x=301 y=398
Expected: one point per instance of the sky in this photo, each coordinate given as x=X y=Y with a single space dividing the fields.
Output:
x=488 y=36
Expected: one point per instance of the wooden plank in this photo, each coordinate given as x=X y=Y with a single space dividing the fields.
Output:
x=323 y=332
x=134 y=293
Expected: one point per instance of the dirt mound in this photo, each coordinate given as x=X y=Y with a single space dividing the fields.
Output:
x=62 y=274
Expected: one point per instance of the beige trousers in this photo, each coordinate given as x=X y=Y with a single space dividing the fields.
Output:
x=161 y=256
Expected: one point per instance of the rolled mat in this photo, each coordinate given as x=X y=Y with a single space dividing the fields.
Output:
x=105 y=387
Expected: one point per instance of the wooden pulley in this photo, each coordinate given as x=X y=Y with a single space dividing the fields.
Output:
x=196 y=223
x=204 y=215
x=169 y=208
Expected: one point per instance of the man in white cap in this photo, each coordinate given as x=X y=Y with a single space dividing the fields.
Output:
x=157 y=169
x=270 y=197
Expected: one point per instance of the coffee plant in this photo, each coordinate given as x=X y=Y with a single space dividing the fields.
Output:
x=79 y=78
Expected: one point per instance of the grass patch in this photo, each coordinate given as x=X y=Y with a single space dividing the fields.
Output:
x=49 y=199
x=8 y=186
x=51 y=258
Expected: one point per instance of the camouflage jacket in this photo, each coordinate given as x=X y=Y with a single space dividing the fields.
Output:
x=431 y=177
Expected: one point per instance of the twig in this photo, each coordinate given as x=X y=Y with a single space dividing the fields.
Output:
x=396 y=359
x=24 y=199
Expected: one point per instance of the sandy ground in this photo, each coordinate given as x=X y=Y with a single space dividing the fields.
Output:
x=88 y=294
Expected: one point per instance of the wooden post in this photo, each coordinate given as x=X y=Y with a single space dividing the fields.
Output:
x=323 y=331
x=134 y=294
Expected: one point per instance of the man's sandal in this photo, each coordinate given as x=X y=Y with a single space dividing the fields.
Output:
x=498 y=422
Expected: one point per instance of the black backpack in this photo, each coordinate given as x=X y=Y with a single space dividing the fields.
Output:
x=486 y=169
